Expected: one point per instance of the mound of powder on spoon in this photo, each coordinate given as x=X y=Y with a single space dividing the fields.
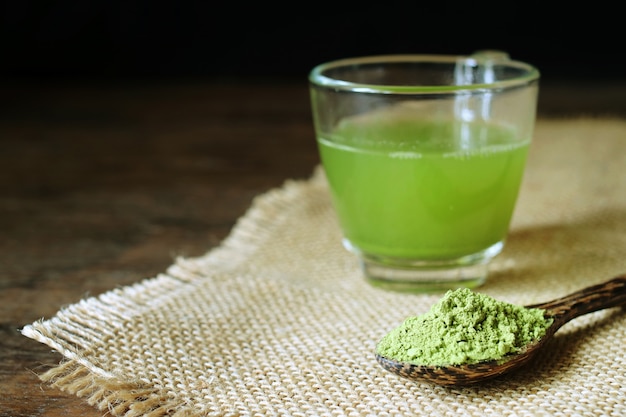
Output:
x=464 y=327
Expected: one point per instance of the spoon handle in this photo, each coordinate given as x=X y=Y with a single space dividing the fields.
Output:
x=609 y=294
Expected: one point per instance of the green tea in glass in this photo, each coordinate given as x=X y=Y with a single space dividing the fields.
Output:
x=424 y=157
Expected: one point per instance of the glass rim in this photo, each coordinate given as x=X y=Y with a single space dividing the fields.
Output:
x=317 y=77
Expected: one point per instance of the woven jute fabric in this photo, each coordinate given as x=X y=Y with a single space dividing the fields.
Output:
x=278 y=320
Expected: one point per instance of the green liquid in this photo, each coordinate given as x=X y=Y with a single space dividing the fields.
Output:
x=423 y=190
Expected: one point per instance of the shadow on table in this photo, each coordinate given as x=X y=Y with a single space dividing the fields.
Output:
x=571 y=254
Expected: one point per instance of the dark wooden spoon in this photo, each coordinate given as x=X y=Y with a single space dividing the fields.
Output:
x=597 y=297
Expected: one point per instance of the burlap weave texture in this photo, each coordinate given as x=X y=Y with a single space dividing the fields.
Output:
x=278 y=321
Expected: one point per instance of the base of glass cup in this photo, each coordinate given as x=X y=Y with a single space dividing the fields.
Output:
x=427 y=276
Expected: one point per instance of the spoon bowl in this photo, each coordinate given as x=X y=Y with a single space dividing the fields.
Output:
x=609 y=294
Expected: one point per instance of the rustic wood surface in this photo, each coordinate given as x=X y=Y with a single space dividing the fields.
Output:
x=103 y=184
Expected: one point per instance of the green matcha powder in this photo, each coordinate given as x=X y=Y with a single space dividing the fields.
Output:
x=464 y=327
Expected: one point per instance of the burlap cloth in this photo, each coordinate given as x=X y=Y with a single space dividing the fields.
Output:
x=278 y=321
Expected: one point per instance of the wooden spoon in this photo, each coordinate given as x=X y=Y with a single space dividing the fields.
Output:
x=597 y=297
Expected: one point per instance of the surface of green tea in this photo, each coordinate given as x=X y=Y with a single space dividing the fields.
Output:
x=407 y=188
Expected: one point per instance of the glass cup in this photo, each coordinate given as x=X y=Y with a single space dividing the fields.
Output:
x=424 y=156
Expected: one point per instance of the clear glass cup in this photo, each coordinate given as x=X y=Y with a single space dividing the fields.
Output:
x=424 y=156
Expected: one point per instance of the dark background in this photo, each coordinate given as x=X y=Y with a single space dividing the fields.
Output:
x=221 y=40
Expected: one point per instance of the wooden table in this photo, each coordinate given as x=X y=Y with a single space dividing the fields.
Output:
x=104 y=184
